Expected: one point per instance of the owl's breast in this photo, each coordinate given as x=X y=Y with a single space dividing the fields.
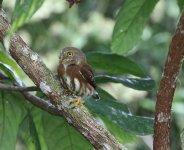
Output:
x=76 y=81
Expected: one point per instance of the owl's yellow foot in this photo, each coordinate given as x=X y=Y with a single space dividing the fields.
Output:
x=76 y=102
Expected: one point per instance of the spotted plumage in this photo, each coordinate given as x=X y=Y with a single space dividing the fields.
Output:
x=76 y=75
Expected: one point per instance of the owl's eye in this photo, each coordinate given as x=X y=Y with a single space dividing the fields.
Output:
x=69 y=54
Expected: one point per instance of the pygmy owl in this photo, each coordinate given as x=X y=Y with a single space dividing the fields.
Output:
x=75 y=74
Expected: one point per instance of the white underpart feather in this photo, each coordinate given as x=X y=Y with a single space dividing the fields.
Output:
x=68 y=81
x=65 y=66
x=81 y=75
x=81 y=89
x=77 y=84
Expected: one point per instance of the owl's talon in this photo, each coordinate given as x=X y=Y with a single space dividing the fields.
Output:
x=76 y=102
x=68 y=92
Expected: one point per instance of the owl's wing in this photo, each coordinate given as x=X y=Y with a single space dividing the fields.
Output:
x=88 y=75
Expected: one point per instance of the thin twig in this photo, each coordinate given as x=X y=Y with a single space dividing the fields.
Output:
x=41 y=103
x=17 y=88
x=167 y=89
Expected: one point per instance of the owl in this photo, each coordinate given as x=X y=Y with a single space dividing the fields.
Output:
x=75 y=73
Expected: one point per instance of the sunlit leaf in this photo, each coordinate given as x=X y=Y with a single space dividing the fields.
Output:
x=114 y=64
x=130 y=23
x=115 y=112
x=12 y=112
x=60 y=135
x=24 y=10
x=145 y=84
x=7 y=60
x=8 y=70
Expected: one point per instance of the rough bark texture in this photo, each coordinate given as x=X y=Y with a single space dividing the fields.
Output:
x=167 y=88
x=80 y=118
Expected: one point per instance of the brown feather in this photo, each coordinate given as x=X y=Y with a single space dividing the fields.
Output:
x=88 y=75
x=76 y=75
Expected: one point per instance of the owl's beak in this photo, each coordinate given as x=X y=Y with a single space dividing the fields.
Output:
x=64 y=60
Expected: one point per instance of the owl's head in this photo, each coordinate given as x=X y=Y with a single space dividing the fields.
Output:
x=72 y=55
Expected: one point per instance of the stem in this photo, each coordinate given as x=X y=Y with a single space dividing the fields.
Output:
x=17 y=88
x=167 y=88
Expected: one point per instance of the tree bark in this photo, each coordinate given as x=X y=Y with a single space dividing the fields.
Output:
x=167 y=88
x=43 y=78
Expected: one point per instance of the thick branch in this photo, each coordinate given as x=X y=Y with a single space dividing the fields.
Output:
x=80 y=118
x=167 y=88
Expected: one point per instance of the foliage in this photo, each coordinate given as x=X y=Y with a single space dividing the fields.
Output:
x=119 y=115
x=12 y=113
x=130 y=23
x=23 y=11
x=180 y=4
x=119 y=65
x=27 y=126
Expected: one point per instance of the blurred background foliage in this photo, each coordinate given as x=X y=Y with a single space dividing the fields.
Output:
x=89 y=26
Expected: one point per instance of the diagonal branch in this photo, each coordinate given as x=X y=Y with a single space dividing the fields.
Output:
x=43 y=78
x=167 y=88
x=41 y=103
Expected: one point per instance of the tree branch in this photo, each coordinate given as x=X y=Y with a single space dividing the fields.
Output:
x=167 y=88
x=80 y=118
x=17 y=88
x=35 y=100
x=41 y=103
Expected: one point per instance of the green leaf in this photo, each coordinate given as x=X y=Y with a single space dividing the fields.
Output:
x=31 y=130
x=115 y=112
x=182 y=139
x=37 y=114
x=12 y=112
x=26 y=135
x=110 y=100
x=130 y=23
x=7 y=70
x=180 y=4
x=121 y=135
x=24 y=10
x=34 y=133
x=145 y=84
x=114 y=64
x=59 y=135
x=7 y=60
x=10 y=72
